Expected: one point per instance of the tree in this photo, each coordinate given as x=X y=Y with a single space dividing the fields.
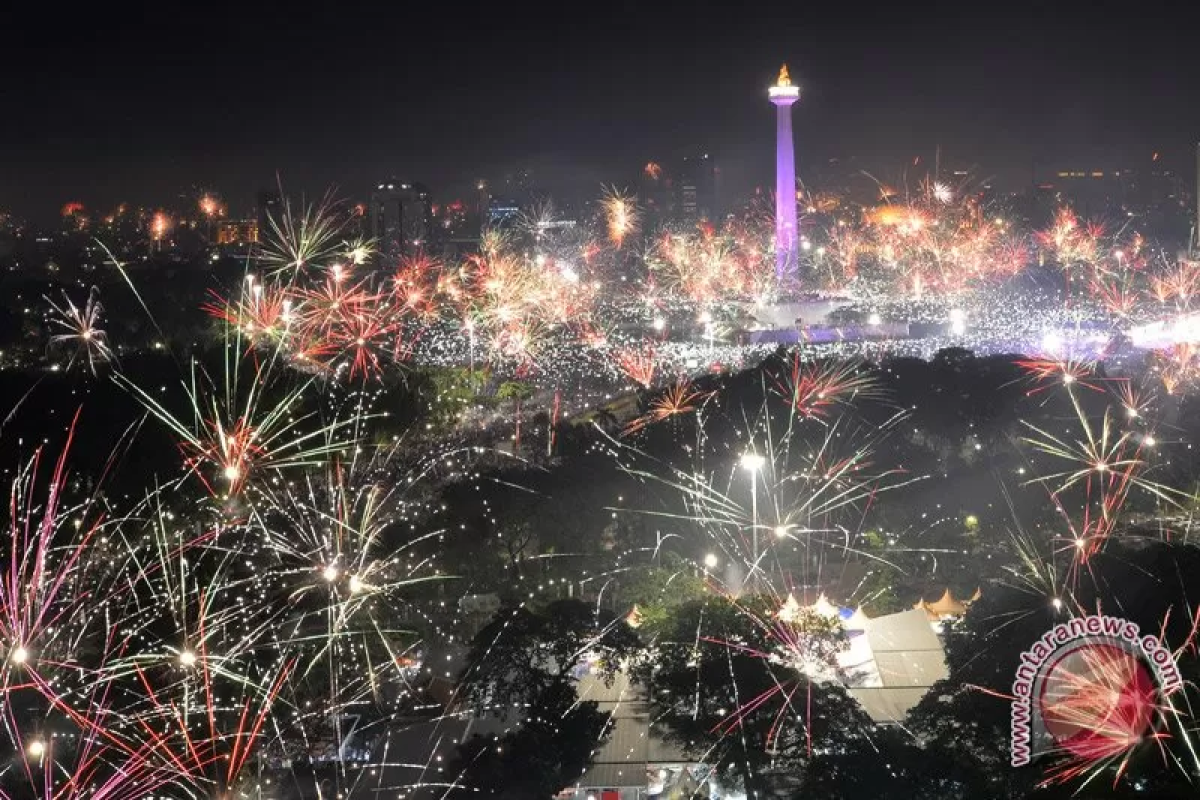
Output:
x=731 y=683
x=878 y=591
x=448 y=392
x=658 y=591
x=517 y=391
x=525 y=658
x=525 y=651
x=965 y=719
x=549 y=750
x=889 y=766
x=518 y=541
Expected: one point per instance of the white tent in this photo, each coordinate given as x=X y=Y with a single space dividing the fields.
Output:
x=892 y=663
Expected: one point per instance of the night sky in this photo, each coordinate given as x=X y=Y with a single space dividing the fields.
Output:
x=142 y=103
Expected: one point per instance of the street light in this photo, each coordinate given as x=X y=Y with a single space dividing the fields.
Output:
x=958 y=321
x=753 y=463
x=710 y=561
x=706 y=319
x=469 y=326
x=1052 y=342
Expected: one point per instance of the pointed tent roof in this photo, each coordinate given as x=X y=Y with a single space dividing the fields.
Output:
x=858 y=621
x=824 y=607
x=790 y=608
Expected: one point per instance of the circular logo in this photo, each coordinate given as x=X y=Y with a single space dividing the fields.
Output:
x=1097 y=700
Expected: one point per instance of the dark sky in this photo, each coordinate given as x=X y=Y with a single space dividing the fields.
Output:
x=142 y=102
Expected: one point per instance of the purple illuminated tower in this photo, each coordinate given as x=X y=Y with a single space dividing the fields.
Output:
x=783 y=94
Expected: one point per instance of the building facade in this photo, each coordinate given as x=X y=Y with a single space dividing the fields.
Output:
x=696 y=189
x=401 y=218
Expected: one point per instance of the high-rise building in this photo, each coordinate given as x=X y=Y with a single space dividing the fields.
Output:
x=1149 y=193
x=655 y=193
x=696 y=189
x=1194 y=240
x=783 y=94
x=401 y=218
x=268 y=206
x=502 y=214
x=483 y=199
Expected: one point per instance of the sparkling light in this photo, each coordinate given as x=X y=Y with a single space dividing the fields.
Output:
x=752 y=462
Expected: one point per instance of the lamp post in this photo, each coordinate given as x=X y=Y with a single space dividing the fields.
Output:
x=469 y=324
x=706 y=319
x=753 y=463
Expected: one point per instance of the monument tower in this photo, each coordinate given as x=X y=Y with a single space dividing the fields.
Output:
x=783 y=94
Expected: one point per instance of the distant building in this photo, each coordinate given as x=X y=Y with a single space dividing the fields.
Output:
x=237 y=232
x=401 y=216
x=268 y=205
x=1092 y=192
x=696 y=189
x=452 y=219
x=637 y=759
x=1155 y=196
x=655 y=193
x=483 y=197
x=502 y=214
x=546 y=226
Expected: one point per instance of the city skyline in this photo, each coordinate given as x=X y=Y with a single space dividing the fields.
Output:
x=573 y=403
x=235 y=102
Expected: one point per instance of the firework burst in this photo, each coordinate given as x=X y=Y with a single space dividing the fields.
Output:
x=816 y=388
x=677 y=400
x=81 y=330
x=296 y=239
x=621 y=215
x=244 y=425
